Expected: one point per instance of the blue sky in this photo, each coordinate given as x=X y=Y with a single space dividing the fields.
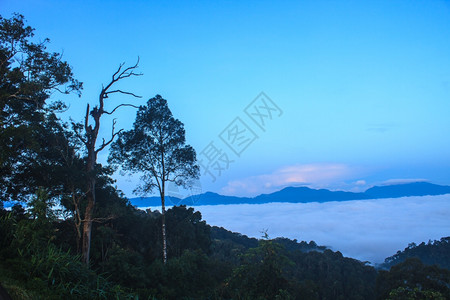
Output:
x=362 y=88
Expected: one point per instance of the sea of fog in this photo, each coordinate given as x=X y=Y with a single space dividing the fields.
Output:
x=368 y=230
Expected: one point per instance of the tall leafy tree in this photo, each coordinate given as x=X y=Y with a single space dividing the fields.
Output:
x=36 y=149
x=156 y=146
x=29 y=75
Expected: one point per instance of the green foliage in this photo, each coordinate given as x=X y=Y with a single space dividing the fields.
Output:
x=28 y=76
x=334 y=276
x=8 y=224
x=36 y=268
x=270 y=271
x=402 y=293
x=191 y=276
x=156 y=147
x=131 y=267
x=125 y=267
x=262 y=273
x=434 y=252
x=187 y=231
x=28 y=69
x=303 y=246
x=412 y=277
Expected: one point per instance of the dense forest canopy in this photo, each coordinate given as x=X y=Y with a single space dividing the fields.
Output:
x=43 y=162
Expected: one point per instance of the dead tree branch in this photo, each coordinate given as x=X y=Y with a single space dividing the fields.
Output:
x=131 y=105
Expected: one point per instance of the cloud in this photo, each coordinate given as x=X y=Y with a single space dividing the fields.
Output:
x=364 y=229
x=313 y=175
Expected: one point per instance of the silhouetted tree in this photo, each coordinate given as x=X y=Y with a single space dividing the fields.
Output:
x=156 y=146
x=88 y=135
x=29 y=75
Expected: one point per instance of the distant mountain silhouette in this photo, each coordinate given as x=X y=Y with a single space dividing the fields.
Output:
x=407 y=189
x=208 y=198
x=305 y=194
x=302 y=195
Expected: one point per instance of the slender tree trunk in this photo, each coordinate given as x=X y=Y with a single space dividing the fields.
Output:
x=77 y=220
x=78 y=229
x=163 y=221
x=87 y=229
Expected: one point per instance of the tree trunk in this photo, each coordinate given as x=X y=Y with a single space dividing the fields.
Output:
x=87 y=227
x=90 y=197
x=76 y=218
x=163 y=221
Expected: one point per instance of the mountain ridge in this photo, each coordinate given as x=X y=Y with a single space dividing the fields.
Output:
x=302 y=195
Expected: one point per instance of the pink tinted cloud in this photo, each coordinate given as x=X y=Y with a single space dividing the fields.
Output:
x=312 y=175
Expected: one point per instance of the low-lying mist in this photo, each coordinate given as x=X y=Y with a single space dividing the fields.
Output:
x=368 y=230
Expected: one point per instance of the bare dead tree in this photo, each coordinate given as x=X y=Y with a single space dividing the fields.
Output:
x=88 y=134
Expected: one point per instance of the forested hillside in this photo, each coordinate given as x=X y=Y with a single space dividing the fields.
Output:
x=39 y=260
x=78 y=237
x=431 y=253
